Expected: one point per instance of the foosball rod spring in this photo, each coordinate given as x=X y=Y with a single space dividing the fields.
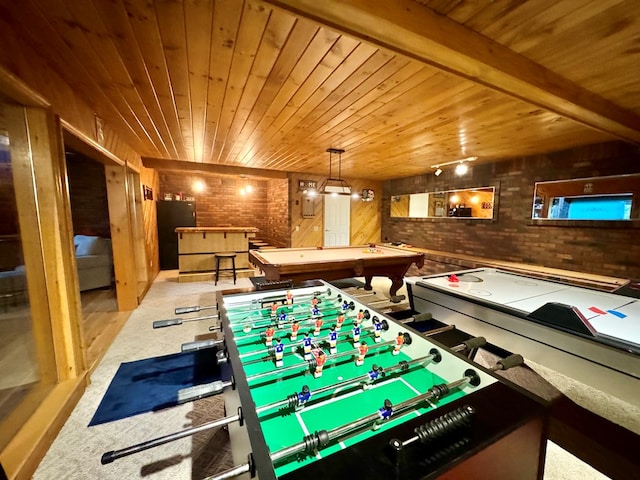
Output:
x=321 y=438
x=437 y=428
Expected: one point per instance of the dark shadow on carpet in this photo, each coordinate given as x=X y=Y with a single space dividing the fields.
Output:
x=153 y=383
x=347 y=283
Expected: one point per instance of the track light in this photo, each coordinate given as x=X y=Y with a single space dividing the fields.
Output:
x=462 y=168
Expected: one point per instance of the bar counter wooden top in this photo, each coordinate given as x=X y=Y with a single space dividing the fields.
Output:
x=215 y=229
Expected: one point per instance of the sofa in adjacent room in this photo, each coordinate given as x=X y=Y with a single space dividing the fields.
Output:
x=94 y=261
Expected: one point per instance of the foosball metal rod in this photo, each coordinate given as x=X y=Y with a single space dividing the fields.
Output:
x=331 y=358
x=421 y=317
x=113 y=455
x=179 y=321
x=322 y=438
x=247 y=321
x=302 y=321
x=455 y=419
x=404 y=365
x=200 y=345
x=193 y=309
x=271 y=353
x=279 y=298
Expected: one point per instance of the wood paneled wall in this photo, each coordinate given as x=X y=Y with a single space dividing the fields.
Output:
x=309 y=232
x=601 y=248
x=150 y=178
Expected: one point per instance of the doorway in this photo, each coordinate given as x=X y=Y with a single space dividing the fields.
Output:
x=337 y=220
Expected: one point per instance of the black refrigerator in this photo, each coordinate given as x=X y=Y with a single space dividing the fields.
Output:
x=171 y=215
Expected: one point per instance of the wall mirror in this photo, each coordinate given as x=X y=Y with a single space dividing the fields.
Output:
x=595 y=198
x=463 y=203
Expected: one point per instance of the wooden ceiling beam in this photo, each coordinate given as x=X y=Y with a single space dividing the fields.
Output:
x=413 y=30
x=182 y=166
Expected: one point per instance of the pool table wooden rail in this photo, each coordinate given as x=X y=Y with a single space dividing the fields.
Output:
x=299 y=268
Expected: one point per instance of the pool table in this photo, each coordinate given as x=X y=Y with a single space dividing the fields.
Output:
x=332 y=263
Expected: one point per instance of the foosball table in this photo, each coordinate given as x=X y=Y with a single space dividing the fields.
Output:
x=327 y=387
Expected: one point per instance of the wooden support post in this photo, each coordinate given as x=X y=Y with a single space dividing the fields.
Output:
x=121 y=236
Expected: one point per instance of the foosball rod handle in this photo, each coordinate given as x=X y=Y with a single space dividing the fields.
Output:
x=113 y=455
x=193 y=309
x=199 y=345
x=421 y=317
x=514 y=360
x=472 y=343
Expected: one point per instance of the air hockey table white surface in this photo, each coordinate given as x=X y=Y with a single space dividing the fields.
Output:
x=611 y=315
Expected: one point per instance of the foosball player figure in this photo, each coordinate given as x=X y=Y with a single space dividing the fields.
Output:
x=279 y=352
x=289 y=297
x=339 y=321
x=314 y=301
x=377 y=329
x=295 y=326
x=345 y=306
x=321 y=358
x=360 y=317
x=333 y=339
x=399 y=343
x=362 y=351
x=303 y=397
x=282 y=319
x=355 y=332
x=375 y=373
x=306 y=345
x=315 y=311
x=274 y=310
x=269 y=335
x=319 y=323
x=385 y=413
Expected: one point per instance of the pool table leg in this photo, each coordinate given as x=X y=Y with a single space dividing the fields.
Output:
x=396 y=284
x=367 y=282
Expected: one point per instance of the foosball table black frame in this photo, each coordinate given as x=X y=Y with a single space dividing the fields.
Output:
x=505 y=440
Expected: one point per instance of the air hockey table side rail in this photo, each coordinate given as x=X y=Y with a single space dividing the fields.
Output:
x=505 y=416
x=612 y=367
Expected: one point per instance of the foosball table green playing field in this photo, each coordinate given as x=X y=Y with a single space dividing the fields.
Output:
x=329 y=387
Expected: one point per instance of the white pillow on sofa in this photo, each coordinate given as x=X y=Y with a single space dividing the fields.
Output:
x=90 y=245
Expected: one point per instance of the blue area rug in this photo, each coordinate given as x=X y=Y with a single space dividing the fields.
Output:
x=153 y=383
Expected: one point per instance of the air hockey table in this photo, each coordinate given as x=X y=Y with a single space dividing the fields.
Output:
x=332 y=263
x=589 y=335
x=411 y=406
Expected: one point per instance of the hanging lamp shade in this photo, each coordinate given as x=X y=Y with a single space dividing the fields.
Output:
x=335 y=185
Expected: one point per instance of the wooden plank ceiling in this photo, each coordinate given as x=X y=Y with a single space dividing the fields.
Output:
x=400 y=85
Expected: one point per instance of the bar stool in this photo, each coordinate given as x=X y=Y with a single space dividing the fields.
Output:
x=223 y=256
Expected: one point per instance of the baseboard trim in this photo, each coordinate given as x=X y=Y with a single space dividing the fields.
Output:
x=21 y=457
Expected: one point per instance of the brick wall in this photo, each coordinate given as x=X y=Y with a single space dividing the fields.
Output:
x=599 y=248
x=221 y=204
x=277 y=232
x=88 y=194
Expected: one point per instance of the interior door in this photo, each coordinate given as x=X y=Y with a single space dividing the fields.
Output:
x=337 y=220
